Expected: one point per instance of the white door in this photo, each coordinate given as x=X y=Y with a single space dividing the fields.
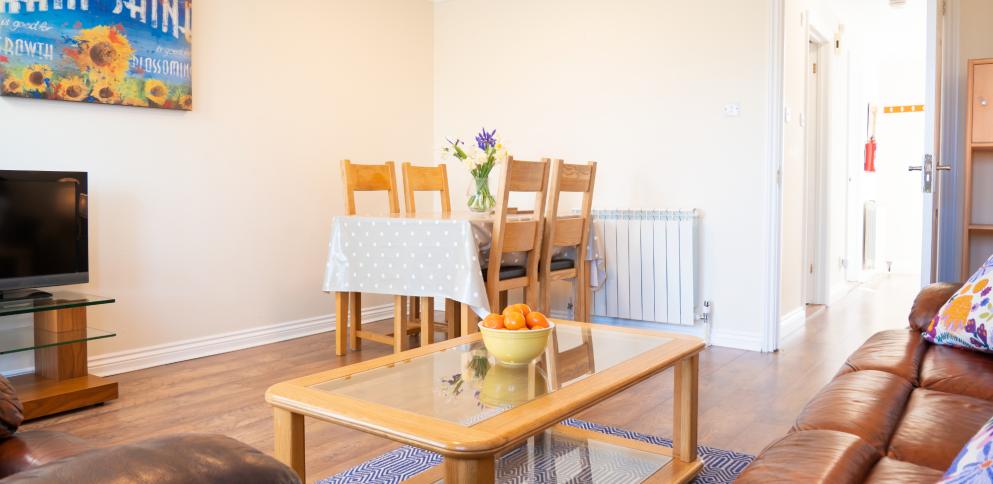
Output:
x=930 y=166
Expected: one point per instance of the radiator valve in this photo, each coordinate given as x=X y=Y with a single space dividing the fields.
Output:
x=705 y=314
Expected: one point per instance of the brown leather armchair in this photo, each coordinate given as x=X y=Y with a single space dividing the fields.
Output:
x=40 y=456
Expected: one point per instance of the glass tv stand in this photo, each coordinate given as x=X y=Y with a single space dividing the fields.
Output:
x=58 y=337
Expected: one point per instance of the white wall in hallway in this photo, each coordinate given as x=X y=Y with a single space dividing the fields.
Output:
x=639 y=86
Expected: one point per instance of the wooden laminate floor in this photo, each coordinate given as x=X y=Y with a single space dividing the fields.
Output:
x=747 y=399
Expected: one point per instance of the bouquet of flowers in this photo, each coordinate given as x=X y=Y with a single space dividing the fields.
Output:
x=479 y=160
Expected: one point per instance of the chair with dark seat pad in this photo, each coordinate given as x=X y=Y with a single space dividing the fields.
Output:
x=567 y=232
x=40 y=456
x=517 y=232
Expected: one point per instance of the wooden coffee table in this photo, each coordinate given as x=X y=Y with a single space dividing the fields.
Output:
x=486 y=418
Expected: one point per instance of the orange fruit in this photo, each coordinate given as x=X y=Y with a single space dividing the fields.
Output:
x=524 y=309
x=536 y=320
x=514 y=320
x=494 y=321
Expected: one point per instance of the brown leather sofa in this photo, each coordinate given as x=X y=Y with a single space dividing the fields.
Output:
x=899 y=410
x=43 y=457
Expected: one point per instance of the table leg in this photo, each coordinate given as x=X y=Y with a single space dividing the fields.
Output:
x=470 y=471
x=400 y=337
x=468 y=319
x=341 y=322
x=290 y=441
x=427 y=321
x=355 y=317
x=685 y=409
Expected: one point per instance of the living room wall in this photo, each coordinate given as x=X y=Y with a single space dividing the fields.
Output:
x=640 y=87
x=217 y=221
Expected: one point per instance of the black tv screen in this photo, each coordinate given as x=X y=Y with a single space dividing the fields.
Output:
x=43 y=229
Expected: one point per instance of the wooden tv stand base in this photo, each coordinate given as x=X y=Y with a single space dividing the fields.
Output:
x=61 y=380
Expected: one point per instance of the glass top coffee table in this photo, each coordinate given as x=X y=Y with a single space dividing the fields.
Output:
x=491 y=421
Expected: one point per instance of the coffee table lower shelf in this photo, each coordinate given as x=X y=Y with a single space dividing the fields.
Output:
x=564 y=453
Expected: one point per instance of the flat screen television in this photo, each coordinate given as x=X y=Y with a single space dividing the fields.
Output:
x=43 y=231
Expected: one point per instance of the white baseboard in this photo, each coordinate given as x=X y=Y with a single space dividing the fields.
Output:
x=741 y=340
x=839 y=291
x=792 y=322
x=147 y=357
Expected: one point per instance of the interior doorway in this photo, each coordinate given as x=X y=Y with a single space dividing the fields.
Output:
x=814 y=223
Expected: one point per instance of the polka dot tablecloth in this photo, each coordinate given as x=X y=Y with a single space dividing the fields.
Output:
x=424 y=256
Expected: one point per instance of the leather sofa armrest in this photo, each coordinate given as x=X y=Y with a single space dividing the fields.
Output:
x=929 y=301
x=27 y=450
x=175 y=459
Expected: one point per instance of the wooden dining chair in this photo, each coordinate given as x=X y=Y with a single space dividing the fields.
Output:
x=428 y=179
x=521 y=233
x=369 y=178
x=567 y=231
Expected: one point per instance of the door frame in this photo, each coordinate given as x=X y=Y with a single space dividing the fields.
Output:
x=773 y=184
x=816 y=230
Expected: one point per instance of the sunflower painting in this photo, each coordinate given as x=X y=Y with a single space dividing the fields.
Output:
x=121 y=52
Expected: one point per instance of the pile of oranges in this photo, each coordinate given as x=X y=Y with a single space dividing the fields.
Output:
x=517 y=317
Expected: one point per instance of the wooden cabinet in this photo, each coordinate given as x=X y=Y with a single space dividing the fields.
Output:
x=978 y=217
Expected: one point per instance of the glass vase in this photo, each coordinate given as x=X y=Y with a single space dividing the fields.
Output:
x=480 y=198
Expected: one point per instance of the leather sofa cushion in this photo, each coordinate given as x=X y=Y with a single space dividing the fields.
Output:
x=892 y=471
x=812 y=456
x=896 y=351
x=11 y=410
x=954 y=370
x=176 y=459
x=866 y=403
x=935 y=427
x=27 y=450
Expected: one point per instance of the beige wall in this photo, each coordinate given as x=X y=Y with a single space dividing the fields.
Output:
x=639 y=86
x=218 y=220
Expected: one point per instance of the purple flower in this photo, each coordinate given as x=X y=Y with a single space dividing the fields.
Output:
x=981 y=334
x=986 y=291
x=486 y=140
x=970 y=327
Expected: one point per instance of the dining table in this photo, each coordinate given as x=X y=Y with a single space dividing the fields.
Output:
x=424 y=255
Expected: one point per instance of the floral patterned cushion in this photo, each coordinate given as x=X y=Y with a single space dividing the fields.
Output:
x=966 y=320
x=974 y=464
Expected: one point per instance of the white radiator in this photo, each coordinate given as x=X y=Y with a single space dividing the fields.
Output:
x=651 y=265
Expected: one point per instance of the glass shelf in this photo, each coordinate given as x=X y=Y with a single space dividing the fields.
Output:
x=26 y=338
x=59 y=300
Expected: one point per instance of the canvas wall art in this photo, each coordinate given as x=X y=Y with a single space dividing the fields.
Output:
x=123 y=52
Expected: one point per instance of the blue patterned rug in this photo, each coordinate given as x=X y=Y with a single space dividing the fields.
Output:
x=719 y=466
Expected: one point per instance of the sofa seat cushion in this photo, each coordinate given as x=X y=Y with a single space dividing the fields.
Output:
x=866 y=403
x=897 y=351
x=953 y=370
x=37 y=447
x=813 y=456
x=935 y=427
x=892 y=471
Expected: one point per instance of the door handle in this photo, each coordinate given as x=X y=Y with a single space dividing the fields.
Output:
x=915 y=168
x=943 y=168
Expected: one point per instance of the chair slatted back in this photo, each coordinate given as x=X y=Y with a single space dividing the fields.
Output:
x=370 y=178
x=425 y=179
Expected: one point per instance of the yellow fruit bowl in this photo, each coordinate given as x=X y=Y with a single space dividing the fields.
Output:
x=516 y=348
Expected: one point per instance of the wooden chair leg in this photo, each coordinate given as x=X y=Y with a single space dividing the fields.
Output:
x=504 y=296
x=400 y=337
x=469 y=320
x=427 y=321
x=452 y=318
x=531 y=296
x=341 y=322
x=355 y=303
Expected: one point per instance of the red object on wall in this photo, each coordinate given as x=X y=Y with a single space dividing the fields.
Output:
x=870 y=155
